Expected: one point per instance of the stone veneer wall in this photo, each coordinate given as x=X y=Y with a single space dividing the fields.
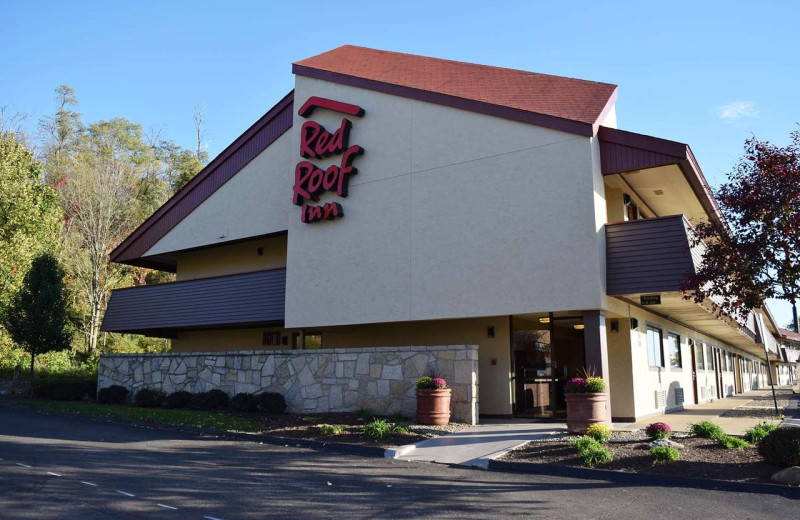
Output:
x=381 y=379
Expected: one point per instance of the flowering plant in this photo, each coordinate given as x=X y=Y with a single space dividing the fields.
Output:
x=658 y=430
x=431 y=383
x=589 y=385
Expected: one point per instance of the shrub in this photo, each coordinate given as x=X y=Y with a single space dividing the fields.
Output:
x=658 y=430
x=179 y=399
x=146 y=398
x=596 y=457
x=586 y=443
x=244 y=402
x=271 y=402
x=781 y=447
x=378 y=429
x=400 y=427
x=664 y=454
x=759 y=431
x=66 y=388
x=114 y=394
x=424 y=382
x=595 y=385
x=706 y=429
x=599 y=432
x=211 y=400
x=331 y=429
x=363 y=413
x=730 y=442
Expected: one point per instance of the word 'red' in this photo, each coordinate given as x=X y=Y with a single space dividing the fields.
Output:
x=317 y=143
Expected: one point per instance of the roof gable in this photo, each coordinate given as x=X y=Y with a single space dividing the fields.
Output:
x=572 y=105
x=235 y=157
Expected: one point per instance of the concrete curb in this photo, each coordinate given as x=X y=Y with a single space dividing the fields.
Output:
x=642 y=479
x=399 y=451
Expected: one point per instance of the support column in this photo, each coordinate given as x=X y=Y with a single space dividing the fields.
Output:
x=596 y=343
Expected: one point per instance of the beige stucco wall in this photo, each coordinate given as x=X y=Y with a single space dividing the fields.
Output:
x=620 y=367
x=452 y=214
x=222 y=340
x=235 y=258
x=253 y=202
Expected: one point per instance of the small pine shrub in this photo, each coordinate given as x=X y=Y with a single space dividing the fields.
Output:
x=244 y=402
x=658 y=430
x=759 y=431
x=363 y=413
x=378 y=429
x=706 y=429
x=730 y=442
x=664 y=454
x=781 y=446
x=331 y=429
x=179 y=399
x=599 y=432
x=147 y=398
x=114 y=394
x=271 y=402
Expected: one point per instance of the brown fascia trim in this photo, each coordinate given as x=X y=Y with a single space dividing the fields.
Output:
x=185 y=200
x=202 y=278
x=684 y=159
x=471 y=105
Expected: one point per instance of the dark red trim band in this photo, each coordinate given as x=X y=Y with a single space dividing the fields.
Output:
x=337 y=106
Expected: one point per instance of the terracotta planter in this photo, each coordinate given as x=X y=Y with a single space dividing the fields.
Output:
x=584 y=410
x=433 y=406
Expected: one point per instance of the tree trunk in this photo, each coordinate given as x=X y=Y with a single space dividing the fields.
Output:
x=794 y=315
x=33 y=358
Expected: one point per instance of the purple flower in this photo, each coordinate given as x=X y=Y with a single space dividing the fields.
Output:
x=658 y=430
x=438 y=383
x=576 y=385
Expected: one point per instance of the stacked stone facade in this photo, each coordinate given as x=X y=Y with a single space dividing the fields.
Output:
x=381 y=379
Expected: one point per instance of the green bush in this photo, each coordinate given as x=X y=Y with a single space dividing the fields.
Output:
x=331 y=429
x=400 y=427
x=179 y=399
x=664 y=454
x=585 y=443
x=66 y=388
x=599 y=432
x=114 y=394
x=271 y=402
x=424 y=382
x=147 y=398
x=244 y=402
x=730 y=442
x=759 y=431
x=596 y=456
x=781 y=447
x=706 y=429
x=211 y=400
x=378 y=429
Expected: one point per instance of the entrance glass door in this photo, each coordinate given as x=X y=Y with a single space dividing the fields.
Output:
x=546 y=352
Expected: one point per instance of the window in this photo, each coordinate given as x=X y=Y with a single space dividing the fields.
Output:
x=709 y=357
x=698 y=355
x=631 y=210
x=310 y=340
x=270 y=339
x=655 y=349
x=674 y=342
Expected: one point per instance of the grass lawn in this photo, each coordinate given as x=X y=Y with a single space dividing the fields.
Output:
x=218 y=421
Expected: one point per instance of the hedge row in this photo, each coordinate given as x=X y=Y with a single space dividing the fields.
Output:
x=267 y=402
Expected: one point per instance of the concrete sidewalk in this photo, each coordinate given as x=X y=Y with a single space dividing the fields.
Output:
x=681 y=420
x=477 y=446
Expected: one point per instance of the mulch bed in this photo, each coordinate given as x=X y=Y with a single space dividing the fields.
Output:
x=306 y=426
x=701 y=458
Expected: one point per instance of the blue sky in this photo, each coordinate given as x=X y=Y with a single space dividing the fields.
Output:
x=706 y=73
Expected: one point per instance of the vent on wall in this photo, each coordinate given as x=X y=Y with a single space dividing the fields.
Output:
x=661 y=398
x=679 y=396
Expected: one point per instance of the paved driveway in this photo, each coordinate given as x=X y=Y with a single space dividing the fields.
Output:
x=56 y=467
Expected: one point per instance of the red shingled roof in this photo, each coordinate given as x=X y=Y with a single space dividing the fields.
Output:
x=789 y=334
x=575 y=100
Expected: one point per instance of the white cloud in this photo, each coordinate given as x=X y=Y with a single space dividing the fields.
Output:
x=737 y=110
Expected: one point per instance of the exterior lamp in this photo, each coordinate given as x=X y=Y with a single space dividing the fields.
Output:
x=544 y=320
x=578 y=326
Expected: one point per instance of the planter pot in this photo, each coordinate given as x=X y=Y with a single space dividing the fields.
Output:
x=433 y=406
x=584 y=410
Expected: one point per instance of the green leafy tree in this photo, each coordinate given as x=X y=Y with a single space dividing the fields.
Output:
x=755 y=253
x=37 y=319
x=29 y=215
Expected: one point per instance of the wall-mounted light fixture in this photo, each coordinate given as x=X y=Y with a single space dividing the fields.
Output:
x=634 y=323
x=260 y=251
x=614 y=325
x=490 y=332
x=579 y=326
x=544 y=320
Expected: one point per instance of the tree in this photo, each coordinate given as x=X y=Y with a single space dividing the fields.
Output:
x=37 y=318
x=29 y=215
x=754 y=253
x=60 y=133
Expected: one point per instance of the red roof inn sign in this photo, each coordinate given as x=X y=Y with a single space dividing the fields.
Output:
x=318 y=143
